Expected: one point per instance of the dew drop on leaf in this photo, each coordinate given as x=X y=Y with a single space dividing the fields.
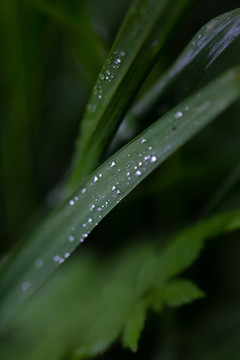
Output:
x=153 y=159
x=38 y=263
x=178 y=115
x=26 y=285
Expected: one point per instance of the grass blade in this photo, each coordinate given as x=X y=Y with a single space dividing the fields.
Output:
x=146 y=29
x=65 y=228
x=205 y=47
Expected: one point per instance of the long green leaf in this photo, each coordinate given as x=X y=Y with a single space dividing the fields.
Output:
x=55 y=239
x=204 y=48
x=142 y=37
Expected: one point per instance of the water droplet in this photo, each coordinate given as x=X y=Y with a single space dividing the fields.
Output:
x=76 y=198
x=118 y=61
x=85 y=236
x=150 y=148
x=38 y=263
x=114 y=187
x=118 y=191
x=153 y=159
x=66 y=255
x=95 y=179
x=71 y=238
x=90 y=220
x=101 y=75
x=138 y=173
x=26 y=285
x=92 y=207
x=112 y=164
x=178 y=115
x=83 y=190
x=143 y=141
x=71 y=202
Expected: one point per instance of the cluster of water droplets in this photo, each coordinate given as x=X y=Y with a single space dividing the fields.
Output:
x=107 y=74
x=113 y=62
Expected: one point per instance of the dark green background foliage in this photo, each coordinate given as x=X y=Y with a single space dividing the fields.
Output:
x=122 y=290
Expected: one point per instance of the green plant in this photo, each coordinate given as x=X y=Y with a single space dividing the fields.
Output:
x=132 y=265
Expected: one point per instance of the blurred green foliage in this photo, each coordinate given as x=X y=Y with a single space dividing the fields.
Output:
x=50 y=55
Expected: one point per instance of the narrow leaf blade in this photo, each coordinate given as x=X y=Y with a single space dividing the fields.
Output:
x=201 y=52
x=142 y=37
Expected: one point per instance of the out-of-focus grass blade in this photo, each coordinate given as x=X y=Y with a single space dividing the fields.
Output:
x=55 y=239
x=227 y=185
x=16 y=150
x=73 y=17
x=22 y=70
x=145 y=30
x=209 y=42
